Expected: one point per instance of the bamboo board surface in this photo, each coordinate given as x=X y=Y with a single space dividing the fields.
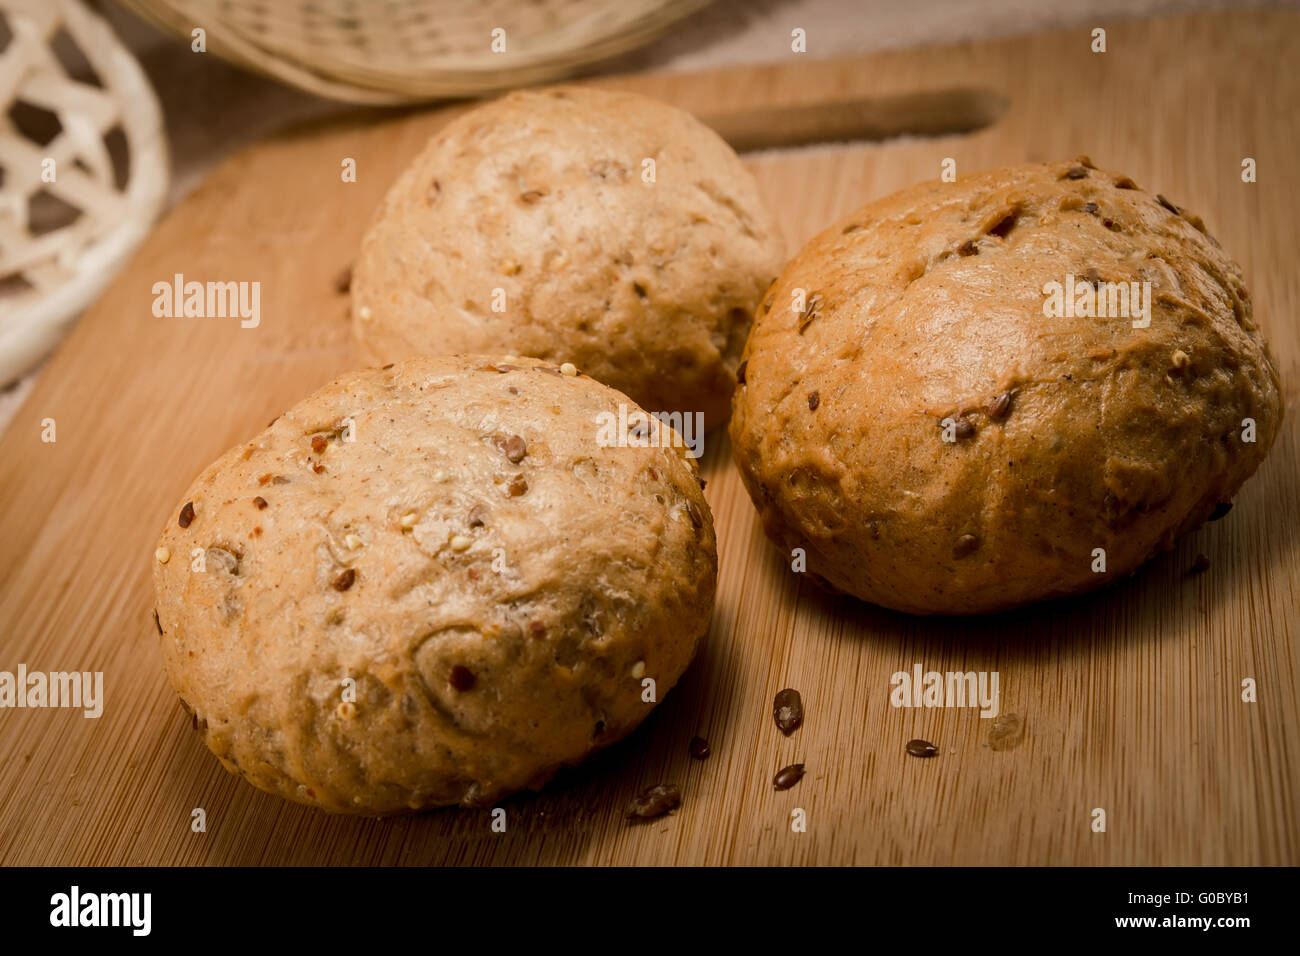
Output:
x=1130 y=697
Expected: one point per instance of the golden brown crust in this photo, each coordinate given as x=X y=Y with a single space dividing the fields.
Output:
x=494 y=581
x=648 y=287
x=1072 y=433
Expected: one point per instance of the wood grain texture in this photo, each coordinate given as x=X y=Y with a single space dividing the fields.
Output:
x=1131 y=697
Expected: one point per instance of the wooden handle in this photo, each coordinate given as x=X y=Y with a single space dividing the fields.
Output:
x=932 y=113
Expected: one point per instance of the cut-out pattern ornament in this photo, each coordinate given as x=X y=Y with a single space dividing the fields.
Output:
x=83 y=169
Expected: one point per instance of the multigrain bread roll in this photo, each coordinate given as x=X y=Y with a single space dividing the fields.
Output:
x=431 y=584
x=933 y=410
x=604 y=229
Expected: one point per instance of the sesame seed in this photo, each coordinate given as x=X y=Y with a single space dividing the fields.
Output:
x=1180 y=359
x=408 y=520
x=352 y=542
x=568 y=368
x=439 y=475
x=364 y=313
x=461 y=542
x=163 y=555
x=638 y=670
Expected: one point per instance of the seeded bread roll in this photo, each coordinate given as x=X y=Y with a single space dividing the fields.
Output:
x=939 y=313
x=527 y=226
x=430 y=584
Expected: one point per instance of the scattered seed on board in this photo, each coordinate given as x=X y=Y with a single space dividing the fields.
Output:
x=655 y=801
x=461 y=678
x=187 y=515
x=921 y=748
x=787 y=777
x=699 y=746
x=787 y=711
x=1200 y=565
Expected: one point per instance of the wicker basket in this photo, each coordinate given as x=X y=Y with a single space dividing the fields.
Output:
x=99 y=138
x=404 y=51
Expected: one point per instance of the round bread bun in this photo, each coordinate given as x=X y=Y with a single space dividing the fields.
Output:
x=939 y=444
x=433 y=584
x=527 y=226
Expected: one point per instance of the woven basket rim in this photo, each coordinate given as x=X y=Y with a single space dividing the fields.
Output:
x=361 y=83
x=35 y=322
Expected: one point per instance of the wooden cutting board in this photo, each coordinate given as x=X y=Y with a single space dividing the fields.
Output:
x=1130 y=698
